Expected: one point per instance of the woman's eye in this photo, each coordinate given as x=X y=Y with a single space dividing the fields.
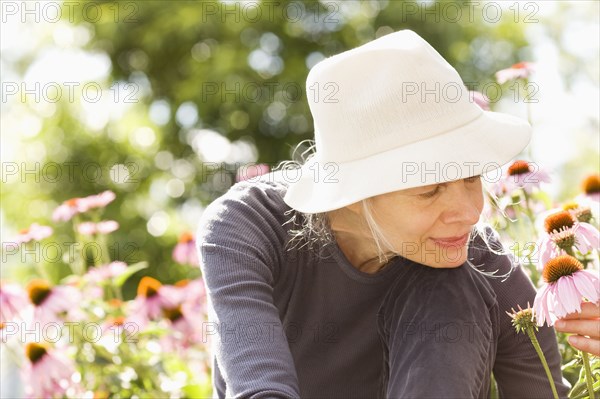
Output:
x=431 y=193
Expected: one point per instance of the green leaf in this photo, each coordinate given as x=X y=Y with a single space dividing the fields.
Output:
x=120 y=280
x=579 y=390
x=575 y=363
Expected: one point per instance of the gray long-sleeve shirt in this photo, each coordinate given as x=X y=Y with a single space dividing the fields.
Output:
x=291 y=324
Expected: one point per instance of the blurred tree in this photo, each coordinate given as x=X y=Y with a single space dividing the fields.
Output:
x=215 y=84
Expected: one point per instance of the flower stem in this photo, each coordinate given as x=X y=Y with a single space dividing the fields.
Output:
x=31 y=246
x=529 y=115
x=588 y=374
x=529 y=212
x=536 y=345
x=105 y=255
x=80 y=261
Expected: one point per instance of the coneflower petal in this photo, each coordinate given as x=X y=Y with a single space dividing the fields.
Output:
x=588 y=285
x=547 y=250
x=570 y=296
x=558 y=308
x=540 y=308
x=553 y=313
x=588 y=237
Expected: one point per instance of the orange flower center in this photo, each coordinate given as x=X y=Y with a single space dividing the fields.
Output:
x=182 y=283
x=173 y=314
x=115 y=302
x=558 y=221
x=520 y=65
x=518 y=168
x=118 y=321
x=562 y=265
x=38 y=291
x=35 y=351
x=72 y=202
x=148 y=287
x=2 y=325
x=591 y=184
x=186 y=237
x=24 y=231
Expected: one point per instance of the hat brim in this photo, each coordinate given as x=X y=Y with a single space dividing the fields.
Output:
x=481 y=146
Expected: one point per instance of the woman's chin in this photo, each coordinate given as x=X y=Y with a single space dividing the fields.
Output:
x=450 y=262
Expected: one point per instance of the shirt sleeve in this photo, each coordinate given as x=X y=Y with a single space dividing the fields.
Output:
x=518 y=369
x=237 y=240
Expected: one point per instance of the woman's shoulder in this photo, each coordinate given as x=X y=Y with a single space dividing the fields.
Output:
x=253 y=202
x=262 y=193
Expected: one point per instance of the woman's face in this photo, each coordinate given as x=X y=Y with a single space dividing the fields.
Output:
x=430 y=225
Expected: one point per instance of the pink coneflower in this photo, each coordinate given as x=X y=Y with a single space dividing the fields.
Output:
x=580 y=213
x=105 y=272
x=522 y=174
x=480 y=99
x=104 y=227
x=194 y=292
x=566 y=282
x=114 y=325
x=35 y=232
x=48 y=302
x=189 y=296
x=66 y=210
x=519 y=70
x=13 y=299
x=73 y=206
x=185 y=325
x=499 y=188
x=186 y=316
x=46 y=373
x=562 y=233
x=97 y=201
x=251 y=171
x=152 y=297
x=127 y=320
x=591 y=187
x=185 y=251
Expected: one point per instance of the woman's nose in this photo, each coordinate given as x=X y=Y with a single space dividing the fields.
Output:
x=463 y=204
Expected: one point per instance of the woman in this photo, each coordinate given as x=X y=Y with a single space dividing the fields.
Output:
x=389 y=286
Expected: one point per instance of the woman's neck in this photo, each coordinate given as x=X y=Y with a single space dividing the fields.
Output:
x=356 y=242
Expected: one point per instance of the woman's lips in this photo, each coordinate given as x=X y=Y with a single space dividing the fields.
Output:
x=450 y=242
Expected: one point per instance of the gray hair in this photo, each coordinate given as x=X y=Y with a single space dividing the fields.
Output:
x=314 y=229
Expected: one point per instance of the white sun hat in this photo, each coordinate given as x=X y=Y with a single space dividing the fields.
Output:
x=390 y=115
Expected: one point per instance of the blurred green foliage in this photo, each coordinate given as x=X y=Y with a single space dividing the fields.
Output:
x=176 y=54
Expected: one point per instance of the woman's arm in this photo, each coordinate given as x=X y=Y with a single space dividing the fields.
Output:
x=237 y=247
x=518 y=370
